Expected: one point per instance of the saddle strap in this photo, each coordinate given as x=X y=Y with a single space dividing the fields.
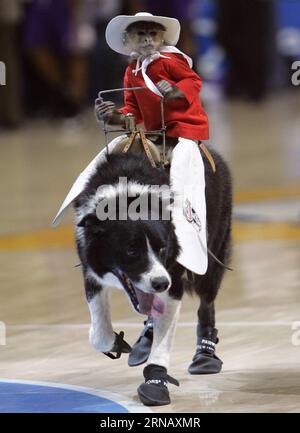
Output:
x=146 y=147
x=208 y=156
x=129 y=142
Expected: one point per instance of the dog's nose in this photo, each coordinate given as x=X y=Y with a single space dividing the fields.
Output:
x=160 y=284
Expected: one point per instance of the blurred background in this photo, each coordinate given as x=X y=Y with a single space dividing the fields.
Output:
x=57 y=60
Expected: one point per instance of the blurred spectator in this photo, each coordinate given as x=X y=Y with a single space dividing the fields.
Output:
x=10 y=94
x=288 y=39
x=107 y=67
x=247 y=32
x=57 y=39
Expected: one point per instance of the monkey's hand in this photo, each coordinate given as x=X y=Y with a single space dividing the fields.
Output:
x=169 y=91
x=106 y=111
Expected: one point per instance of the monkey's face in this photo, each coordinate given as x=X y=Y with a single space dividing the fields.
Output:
x=144 y=38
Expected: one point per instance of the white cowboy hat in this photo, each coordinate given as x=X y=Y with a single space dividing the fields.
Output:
x=116 y=27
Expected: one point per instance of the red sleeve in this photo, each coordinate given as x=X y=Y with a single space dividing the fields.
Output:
x=186 y=79
x=131 y=105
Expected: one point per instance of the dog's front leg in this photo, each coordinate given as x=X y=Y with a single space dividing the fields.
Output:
x=101 y=335
x=154 y=391
x=163 y=332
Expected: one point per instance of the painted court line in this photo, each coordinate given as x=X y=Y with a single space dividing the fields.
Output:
x=245 y=324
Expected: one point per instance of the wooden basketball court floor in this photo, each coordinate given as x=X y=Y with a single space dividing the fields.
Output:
x=43 y=313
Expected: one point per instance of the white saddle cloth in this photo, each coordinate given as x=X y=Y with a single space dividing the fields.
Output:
x=81 y=181
x=188 y=185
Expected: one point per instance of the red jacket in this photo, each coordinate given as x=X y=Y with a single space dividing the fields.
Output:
x=184 y=117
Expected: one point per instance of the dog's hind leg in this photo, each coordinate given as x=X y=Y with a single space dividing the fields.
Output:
x=205 y=361
x=101 y=334
x=141 y=349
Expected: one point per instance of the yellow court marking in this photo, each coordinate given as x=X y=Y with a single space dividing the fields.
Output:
x=269 y=194
x=60 y=237
x=248 y=231
x=63 y=237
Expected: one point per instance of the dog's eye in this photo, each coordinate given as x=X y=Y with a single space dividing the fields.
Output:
x=131 y=252
x=162 y=253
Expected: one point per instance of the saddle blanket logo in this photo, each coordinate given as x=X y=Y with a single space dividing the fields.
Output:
x=191 y=215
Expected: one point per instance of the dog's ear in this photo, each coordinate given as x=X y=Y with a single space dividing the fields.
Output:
x=90 y=221
x=87 y=220
x=172 y=247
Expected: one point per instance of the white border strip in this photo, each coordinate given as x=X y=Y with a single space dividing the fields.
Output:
x=130 y=405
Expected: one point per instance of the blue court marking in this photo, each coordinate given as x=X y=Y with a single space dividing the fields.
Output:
x=39 y=397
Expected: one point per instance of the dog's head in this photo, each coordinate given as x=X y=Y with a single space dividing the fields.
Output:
x=138 y=252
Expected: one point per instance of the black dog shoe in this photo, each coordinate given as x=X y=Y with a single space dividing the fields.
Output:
x=205 y=361
x=141 y=349
x=120 y=346
x=154 y=392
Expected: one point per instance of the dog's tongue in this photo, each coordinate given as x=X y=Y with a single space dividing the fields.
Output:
x=158 y=307
x=151 y=305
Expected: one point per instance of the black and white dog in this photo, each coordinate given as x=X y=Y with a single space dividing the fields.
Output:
x=139 y=256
